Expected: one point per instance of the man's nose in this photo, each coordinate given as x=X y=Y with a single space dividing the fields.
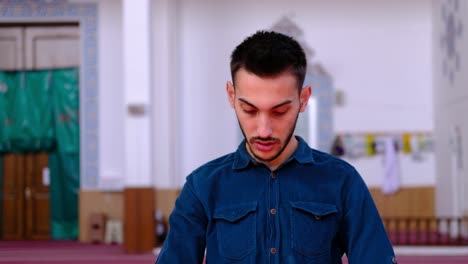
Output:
x=264 y=127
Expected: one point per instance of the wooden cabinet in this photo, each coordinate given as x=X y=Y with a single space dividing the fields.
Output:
x=139 y=224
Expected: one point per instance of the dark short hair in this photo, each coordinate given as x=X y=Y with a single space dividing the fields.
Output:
x=268 y=53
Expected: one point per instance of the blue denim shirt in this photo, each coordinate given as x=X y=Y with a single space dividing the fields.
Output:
x=312 y=209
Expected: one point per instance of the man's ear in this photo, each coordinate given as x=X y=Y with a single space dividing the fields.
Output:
x=231 y=93
x=306 y=92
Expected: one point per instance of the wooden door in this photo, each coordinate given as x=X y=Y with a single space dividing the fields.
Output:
x=12 y=204
x=37 y=205
x=45 y=47
x=13 y=197
x=11 y=48
x=52 y=47
x=25 y=203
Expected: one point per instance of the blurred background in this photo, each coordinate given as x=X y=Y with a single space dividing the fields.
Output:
x=106 y=106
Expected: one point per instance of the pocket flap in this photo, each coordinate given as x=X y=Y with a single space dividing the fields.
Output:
x=314 y=208
x=234 y=213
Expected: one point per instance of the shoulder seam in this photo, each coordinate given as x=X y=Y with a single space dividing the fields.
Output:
x=216 y=162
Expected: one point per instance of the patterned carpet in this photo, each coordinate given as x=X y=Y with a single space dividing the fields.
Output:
x=57 y=252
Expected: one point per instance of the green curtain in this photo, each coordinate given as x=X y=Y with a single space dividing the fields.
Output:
x=65 y=107
x=39 y=112
x=64 y=194
x=64 y=162
x=26 y=111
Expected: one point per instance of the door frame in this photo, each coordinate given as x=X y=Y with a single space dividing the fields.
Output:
x=86 y=15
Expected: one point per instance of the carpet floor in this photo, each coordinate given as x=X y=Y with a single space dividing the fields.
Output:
x=58 y=252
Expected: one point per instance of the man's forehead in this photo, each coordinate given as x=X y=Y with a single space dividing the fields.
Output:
x=263 y=92
x=249 y=80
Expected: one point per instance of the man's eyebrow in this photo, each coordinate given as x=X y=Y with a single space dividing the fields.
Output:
x=276 y=106
x=247 y=102
x=283 y=103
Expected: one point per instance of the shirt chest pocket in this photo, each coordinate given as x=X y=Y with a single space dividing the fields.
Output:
x=236 y=230
x=313 y=226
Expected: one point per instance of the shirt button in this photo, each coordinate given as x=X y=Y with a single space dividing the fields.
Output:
x=394 y=260
x=273 y=211
x=273 y=250
x=273 y=176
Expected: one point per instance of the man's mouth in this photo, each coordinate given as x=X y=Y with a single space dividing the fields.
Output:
x=264 y=145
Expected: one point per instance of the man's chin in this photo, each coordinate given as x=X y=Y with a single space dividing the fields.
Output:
x=264 y=157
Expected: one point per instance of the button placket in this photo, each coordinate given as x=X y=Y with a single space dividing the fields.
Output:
x=273 y=220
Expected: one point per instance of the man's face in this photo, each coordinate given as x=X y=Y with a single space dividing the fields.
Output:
x=267 y=109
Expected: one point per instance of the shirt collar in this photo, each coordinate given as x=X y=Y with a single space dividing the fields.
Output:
x=303 y=154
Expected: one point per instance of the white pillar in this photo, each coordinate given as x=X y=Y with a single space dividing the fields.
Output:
x=137 y=92
x=166 y=110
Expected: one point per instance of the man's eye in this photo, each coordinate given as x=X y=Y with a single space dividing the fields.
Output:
x=279 y=113
x=250 y=112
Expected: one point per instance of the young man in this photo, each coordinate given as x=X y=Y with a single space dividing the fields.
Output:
x=274 y=200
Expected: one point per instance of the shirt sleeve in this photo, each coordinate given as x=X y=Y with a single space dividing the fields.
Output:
x=185 y=242
x=364 y=238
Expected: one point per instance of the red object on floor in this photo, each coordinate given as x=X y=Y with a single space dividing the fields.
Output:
x=430 y=238
x=428 y=260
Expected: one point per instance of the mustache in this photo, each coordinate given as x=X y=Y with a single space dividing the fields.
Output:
x=264 y=140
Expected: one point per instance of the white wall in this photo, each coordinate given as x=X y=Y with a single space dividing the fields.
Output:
x=379 y=53
x=411 y=173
